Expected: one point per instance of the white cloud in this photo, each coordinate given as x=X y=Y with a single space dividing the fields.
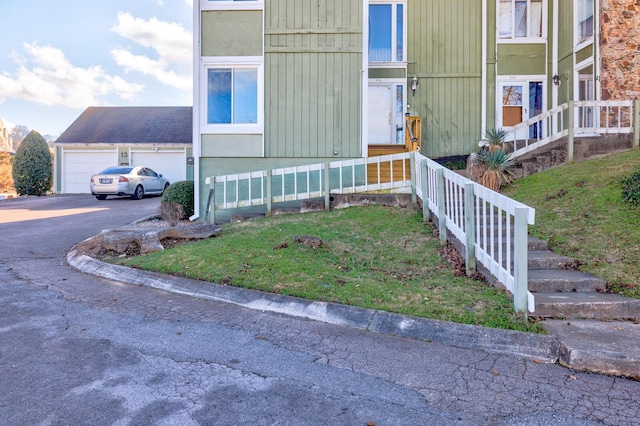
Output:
x=171 y=42
x=45 y=76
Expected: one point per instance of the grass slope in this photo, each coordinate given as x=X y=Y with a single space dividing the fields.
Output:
x=581 y=213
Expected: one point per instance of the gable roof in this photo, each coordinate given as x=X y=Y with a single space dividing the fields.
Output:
x=126 y=125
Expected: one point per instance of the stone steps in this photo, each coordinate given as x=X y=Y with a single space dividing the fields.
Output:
x=591 y=305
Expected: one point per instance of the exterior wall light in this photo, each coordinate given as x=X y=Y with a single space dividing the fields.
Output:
x=556 y=79
x=414 y=85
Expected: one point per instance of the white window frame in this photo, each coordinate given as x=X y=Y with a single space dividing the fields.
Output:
x=527 y=39
x=231 y=5
x=394 y=31
x=581 y=44
x=232 y=62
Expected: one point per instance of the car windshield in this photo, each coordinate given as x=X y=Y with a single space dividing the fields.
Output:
x=116 y=171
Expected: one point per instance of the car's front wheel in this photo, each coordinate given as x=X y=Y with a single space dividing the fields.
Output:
x=101 y=197
x=166 y=185
x=138 y=193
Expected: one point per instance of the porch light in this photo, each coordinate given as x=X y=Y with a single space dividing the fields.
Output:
x=556 y=79
x=414 y=85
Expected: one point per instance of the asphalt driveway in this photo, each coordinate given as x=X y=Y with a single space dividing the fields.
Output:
x=77 y=349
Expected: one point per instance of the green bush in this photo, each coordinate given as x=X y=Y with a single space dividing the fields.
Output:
x=32 y=169
x=631 y=188
x=181 y=193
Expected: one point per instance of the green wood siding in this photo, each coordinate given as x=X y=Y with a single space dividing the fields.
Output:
x=232 y=33
x=313 y=63
x=522 y=59
x=231 y=145
x=387 y=73
x=445 y=52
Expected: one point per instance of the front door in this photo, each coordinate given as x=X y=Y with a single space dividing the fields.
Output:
x=386 y=113
x=520 y=101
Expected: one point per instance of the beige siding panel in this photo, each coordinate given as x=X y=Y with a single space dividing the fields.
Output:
x=445 y=52
x=313 y=62
x=232 y=33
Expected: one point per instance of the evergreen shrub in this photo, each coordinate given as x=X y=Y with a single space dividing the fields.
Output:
x=181 y=193
x=32 y=169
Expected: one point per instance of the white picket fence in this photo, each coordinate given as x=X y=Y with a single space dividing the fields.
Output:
x=492 y=227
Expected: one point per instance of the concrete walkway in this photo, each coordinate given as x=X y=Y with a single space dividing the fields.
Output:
x=610 y=347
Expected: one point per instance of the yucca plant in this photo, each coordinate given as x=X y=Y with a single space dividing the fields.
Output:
x=495 y=138
x=497 y=171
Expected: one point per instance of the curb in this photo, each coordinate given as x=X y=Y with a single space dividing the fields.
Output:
x=540 y=348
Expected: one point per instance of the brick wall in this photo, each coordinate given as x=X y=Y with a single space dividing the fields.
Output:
x=620 y=49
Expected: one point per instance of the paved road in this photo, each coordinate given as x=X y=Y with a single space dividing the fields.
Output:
x=75 y=349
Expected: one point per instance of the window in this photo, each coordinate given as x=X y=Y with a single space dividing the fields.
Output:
x=386 y=32
x=584 y=28
x=519 y=19
x=232 y=95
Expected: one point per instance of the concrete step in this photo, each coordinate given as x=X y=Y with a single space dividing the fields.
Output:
x=592 y=305
x=545 y=259
x=608 y=347
x=563 y=280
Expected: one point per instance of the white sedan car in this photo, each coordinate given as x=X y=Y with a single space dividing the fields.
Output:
x=135 y=182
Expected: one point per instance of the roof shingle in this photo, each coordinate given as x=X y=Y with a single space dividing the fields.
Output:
x=129 y=125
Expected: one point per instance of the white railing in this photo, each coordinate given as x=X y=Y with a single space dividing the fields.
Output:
x=383 y=173
x=492 y=228
x=576 y=118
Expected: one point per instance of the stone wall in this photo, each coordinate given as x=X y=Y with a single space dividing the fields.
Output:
x=620 y=49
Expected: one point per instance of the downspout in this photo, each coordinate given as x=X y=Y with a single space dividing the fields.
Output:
x=483 y=71
x=196 y=138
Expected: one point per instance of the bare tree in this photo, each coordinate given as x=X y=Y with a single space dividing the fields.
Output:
x=17 y=135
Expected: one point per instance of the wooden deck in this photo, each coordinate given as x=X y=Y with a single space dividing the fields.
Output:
x=413 y=131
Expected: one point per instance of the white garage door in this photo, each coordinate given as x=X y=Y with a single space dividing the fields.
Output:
x=78 y=166
x=170 y=164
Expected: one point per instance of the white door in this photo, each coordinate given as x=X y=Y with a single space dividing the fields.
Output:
x=386 y=113
x=170 y=164
x=519 y=101
x=79 y=166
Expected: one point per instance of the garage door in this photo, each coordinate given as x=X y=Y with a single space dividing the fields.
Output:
x=78 y=166
x=171 y=164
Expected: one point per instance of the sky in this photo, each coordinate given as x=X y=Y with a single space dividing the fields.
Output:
x=59 y=57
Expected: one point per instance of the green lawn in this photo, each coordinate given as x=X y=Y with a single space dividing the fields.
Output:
x=373 y=257
x=581 y=213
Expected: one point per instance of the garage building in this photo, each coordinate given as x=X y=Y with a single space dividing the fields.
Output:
x=101 y=137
